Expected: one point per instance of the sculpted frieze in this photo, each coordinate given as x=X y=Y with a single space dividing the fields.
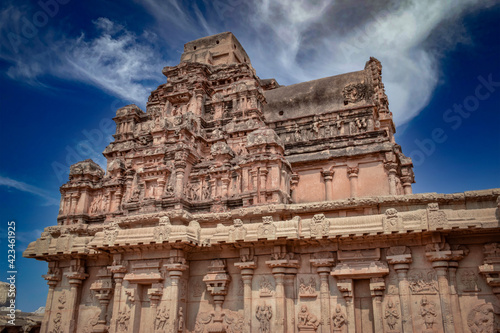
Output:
x=422 y=281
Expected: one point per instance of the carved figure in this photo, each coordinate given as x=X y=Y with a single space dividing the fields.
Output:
x=307 y=319
x=309 y=289
x=469 y=281
x=339 y=318
x=57 y=323
x=264 y=314
x=206 y=191
x=391 y=315
x=428 y=312
x=161 y=319
x=180 y=318
x=484 y=318
x=122 y=320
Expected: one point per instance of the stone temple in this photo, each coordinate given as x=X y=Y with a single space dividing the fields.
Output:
x=235 y=204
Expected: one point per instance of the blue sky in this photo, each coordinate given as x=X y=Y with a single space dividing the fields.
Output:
x=67 y=65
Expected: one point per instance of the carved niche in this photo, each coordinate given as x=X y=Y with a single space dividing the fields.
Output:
x=267 y=229
x=320 y=226
x=355 y=92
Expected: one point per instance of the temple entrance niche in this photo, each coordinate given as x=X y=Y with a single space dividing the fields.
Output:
x=145 y=303
x=363 y=309
x=360 y=279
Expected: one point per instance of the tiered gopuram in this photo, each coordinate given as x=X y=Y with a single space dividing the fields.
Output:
x=234 y=204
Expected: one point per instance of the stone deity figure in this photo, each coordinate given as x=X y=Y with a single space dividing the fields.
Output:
x=307 y=319
x=428 y=312
x=57 y=323
x=339 y=318
x=264 y=314
x=122 y=320
x=180 y=317
x=161 y=318
x=391 y=315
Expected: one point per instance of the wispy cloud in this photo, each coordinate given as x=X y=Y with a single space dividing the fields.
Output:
x=116 y=60
x=20 y=186
x=292 y=41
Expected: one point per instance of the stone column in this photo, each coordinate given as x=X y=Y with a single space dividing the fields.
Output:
x=294 y=181
x=406 y=185
x=53 y=277
x=352 y=173
x=225 y=187
x=280 y=267
x=175 y=271
x=75 y=278
x=345 y=286
x=290 y=297
x=392 y=171
x=279 y=277
x=400 y=258
x=323 y=261
x=439 y=255
x=179 y=179
x=247 y=270
x=377 y=287
x=155 y=293
x=455 y=303
x=118 y=272
x=262 y=184
x=118 y=199
x=328 y=178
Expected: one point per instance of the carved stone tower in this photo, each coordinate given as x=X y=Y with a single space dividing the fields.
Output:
x=234 y=204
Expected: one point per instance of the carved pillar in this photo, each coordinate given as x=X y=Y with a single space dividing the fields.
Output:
x=247 y=270
x=290 y=296
x=491 y=265
x=53 y=277
x=118 y=272
x=400 y=257
x=75 y=278
x=103 y=288
x=262 y=184
x=180 y=170
x=328 y=178
x=407 y=184
x=225 y=187
x=217 y=281
x=345 y=286
x=294 y=182
x=352 y=173
x=457 y=254
x=323 y=263
x=155 y=293
x=377 y=287
x=175 y=268
x=439 y=255
x=392 y=171
x=254 y=182
x=280 y=264
x=118 y=199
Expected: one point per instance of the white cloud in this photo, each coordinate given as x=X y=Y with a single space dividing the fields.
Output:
x=293 y=41
x=11 y=183
x=307 y=44
x=116 y=60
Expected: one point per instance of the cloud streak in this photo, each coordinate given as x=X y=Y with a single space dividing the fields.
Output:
x=293 y=41
x=23 y=187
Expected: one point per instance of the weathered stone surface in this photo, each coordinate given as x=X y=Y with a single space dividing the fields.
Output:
x=234 y=204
